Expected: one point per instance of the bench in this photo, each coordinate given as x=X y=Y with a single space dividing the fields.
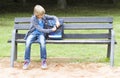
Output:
x=104 y=36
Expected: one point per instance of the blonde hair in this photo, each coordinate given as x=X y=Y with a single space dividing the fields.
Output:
x=39 y=10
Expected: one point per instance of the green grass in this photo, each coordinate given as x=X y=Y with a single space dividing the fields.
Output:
x=86 y=53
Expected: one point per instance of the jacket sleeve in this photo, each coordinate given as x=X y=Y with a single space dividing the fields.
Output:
x=52 y=17
x=35 y=25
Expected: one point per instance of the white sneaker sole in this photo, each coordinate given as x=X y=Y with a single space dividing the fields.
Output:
x=26 y=67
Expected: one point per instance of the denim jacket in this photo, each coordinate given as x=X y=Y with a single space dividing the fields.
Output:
x=35 y=24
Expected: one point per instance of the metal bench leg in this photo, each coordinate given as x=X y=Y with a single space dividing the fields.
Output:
x=15 y=53
x=108 y=51
x=112 y=49
x=12 y=59
x=12 y=54
x=13 y=48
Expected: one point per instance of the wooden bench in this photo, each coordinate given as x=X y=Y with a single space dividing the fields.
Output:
x=102 y=24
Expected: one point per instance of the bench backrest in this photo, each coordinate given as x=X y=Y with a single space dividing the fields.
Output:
x=74 y=23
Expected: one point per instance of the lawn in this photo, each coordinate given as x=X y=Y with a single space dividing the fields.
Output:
x=86 y=53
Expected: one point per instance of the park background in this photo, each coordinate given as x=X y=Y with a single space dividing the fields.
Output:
x=9 y=9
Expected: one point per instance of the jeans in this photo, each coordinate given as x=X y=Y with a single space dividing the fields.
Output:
x=31 y=38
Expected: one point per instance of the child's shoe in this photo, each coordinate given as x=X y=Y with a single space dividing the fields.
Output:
x=26 y=64
x=43 y=64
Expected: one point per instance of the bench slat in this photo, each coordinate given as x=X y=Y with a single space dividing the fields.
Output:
x=70 y=26
x=78 y=41
x=22 y=26
x=22 y=20
x=88 y=26
x=73 y=19
x=88 y=19
x=76 y=36
x=87 y=36
x=71 y=41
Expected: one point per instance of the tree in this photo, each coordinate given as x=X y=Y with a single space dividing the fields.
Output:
x=24 y=2
x=15 y=0
x=62 y=4
x=114 y=1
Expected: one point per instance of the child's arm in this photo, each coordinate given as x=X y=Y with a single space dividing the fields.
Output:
x=55 y=18
x=34 y=23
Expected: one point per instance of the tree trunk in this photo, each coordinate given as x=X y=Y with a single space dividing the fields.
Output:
x=114 y=1
x=62 y=4
x=15 y=0
x=24 y=2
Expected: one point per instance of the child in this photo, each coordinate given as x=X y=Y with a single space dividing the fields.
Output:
x=37 y=32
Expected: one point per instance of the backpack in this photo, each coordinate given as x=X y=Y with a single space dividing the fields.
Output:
x=58 y=34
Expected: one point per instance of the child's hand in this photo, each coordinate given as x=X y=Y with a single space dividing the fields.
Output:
x=54 y=28
x=57 y=24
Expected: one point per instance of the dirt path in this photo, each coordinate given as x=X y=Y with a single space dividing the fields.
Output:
x=58 y=70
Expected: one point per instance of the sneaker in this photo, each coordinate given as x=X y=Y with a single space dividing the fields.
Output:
x=26 y=64
x=43 y=64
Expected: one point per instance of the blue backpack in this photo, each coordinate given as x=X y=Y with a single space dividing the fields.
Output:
x=58 y=34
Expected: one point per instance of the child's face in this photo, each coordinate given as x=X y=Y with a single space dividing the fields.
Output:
x=39 y=16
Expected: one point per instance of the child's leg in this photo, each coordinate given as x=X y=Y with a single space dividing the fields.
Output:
x=29 y=41
x=42 y=42
x=43 y=51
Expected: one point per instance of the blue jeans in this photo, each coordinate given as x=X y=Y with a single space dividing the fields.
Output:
x=41 y=39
